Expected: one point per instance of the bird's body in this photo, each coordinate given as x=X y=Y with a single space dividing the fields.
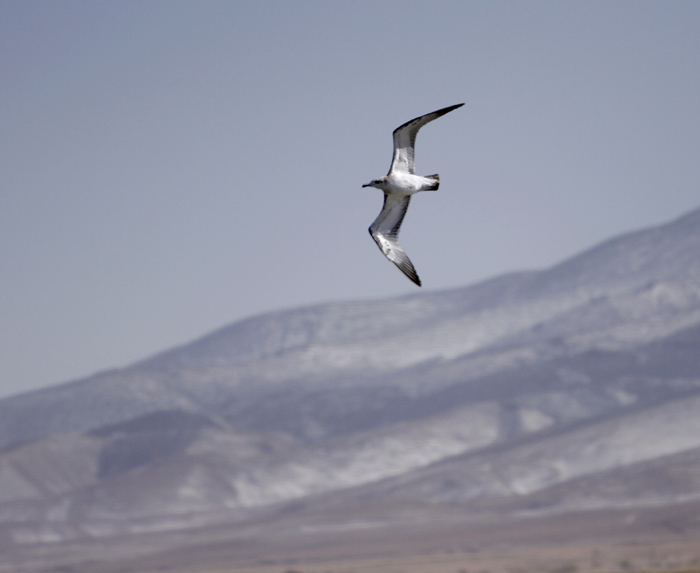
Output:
x=398 y=185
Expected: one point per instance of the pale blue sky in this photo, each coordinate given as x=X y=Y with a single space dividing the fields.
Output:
x=170 y=167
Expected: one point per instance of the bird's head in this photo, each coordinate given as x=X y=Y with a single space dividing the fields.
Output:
x=378 y=183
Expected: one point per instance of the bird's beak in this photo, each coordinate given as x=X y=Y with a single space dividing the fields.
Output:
x=367 y=185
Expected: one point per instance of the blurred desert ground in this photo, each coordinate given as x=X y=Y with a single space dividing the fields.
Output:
x=630 y=540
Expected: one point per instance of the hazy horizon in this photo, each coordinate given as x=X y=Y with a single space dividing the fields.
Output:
x=172 y=167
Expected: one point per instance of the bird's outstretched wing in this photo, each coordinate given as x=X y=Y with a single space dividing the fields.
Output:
x=405 y=139
x=385 y=232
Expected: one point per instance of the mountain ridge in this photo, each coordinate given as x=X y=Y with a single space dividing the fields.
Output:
x=536 y=389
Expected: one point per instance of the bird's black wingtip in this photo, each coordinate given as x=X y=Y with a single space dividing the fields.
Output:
x=448 y=109
x=411 y=273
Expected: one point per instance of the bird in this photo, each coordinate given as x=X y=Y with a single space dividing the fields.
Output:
x=398 y=185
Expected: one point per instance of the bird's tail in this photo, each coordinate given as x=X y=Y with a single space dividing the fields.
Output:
x=432 y=186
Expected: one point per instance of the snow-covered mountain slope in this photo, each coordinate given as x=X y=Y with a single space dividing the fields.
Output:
x=668 y=254
x=510 y=392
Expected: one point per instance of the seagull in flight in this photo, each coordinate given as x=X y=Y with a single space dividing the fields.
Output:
x=398 y=185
